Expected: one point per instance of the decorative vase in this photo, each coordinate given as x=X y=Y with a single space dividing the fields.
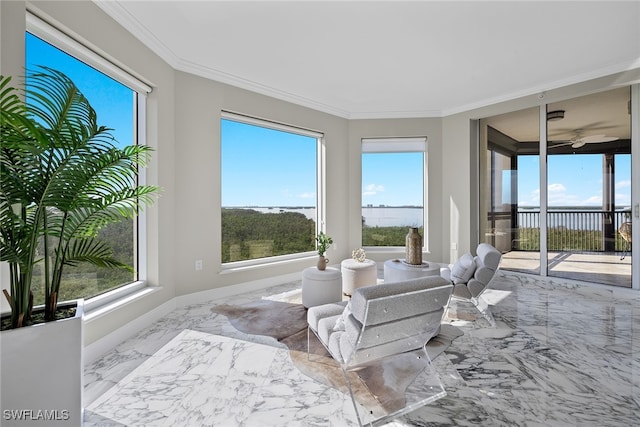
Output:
x=413 y=247
x=322 y=262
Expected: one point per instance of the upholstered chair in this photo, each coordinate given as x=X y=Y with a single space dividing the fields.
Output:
x=385 y=329
x=471 y=276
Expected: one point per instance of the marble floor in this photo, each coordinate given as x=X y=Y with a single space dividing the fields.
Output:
x=563 y=353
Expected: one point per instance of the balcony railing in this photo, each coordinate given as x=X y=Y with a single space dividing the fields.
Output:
x=567 y=230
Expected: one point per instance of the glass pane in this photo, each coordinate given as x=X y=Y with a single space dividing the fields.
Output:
x=589 y=196
x=392 y=197
x=510 y=195
x=115 y=108
x=268 y=192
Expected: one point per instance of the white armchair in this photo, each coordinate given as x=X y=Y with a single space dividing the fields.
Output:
x=383 y=327
x=471 y=275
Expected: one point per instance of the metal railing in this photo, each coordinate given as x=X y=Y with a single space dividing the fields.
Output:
x=567 y=230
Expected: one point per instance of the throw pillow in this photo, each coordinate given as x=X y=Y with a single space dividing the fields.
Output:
x=463 y=269
x=341 y=321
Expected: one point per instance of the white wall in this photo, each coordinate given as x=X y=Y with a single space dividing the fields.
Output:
x=199 y=102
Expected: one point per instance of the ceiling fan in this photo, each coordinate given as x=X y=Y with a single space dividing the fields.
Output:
x=579 y=141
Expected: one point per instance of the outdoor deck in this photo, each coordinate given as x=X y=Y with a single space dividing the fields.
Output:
x=604 y=267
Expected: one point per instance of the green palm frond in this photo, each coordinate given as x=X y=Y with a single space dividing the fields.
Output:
x=93 y=251
x=67 y=177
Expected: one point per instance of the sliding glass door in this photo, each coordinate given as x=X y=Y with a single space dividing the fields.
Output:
x=589 y=188
x=510 y=200
x=561 y=205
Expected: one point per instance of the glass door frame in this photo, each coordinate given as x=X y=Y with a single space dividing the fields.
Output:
x=635 y=189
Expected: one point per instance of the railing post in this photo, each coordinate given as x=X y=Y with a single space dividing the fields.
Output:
x=609 y=206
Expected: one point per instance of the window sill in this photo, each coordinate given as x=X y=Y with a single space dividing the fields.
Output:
x=237 y=266
x=102 y=304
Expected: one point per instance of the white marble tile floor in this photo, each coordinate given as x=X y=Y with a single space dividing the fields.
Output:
x=562 y=354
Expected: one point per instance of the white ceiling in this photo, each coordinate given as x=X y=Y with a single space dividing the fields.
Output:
x=363 y=59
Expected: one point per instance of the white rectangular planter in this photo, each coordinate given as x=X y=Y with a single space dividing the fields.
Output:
x=41 y=373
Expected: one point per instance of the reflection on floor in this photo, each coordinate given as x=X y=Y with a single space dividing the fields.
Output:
x=562 y=354
x=603 y=268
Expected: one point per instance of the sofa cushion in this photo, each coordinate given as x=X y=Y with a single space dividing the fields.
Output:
x=326 y=327
x=488 y=256
x=463 y=269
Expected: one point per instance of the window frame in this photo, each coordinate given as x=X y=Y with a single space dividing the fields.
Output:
x=320 y=187
x=410 y=144
x=40 y=28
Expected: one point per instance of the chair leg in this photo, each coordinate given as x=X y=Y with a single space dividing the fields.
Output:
x=353 y=397
x=483 y=307
x=626 y=250
x=426 y=388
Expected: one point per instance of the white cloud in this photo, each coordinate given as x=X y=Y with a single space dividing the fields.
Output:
x=593 y=200
x=558 y=196
x=372 y=189
x=307 y=195
x=623 y=199
x=623 y=184
x=556 y=188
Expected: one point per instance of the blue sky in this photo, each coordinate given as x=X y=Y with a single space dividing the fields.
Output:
x=572 y=180
x=392 y=179
x=264 y=167
x=112 y=101
x=256 y=174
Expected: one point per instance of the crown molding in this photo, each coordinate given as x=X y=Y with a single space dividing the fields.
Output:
x=628 y=72
x=418 y=114
x=138 y=30
x=239 y=82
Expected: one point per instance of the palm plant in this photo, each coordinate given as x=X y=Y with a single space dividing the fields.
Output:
x=62 y=180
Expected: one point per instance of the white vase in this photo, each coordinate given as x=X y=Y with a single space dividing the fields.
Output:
x=42 y=368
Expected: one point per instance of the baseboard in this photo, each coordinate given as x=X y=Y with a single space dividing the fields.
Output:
x=97 y=349
x=229 y=291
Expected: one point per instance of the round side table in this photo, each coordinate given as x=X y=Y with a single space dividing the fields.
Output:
x=358 y=274
x=321 y=287
x=396 y=270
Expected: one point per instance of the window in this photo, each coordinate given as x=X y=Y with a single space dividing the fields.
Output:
x=118 y=106
x=269 y=189
x=393 y=189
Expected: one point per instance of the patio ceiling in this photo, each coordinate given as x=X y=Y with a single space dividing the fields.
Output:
x=604 y=113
